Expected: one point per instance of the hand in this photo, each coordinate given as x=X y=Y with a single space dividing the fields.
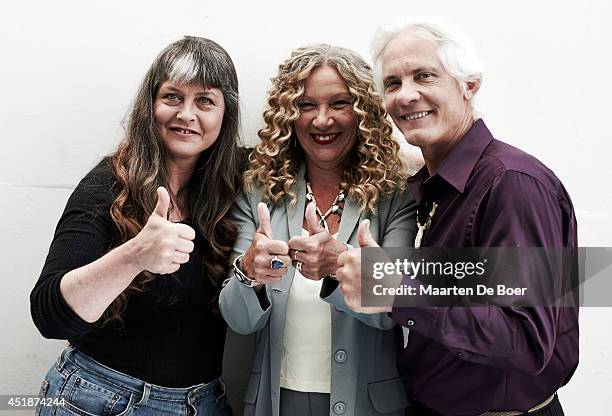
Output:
x=319 y=251
x=162 y=246
x=348 y=272
x=257 y=258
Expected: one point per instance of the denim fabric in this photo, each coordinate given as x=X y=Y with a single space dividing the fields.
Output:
x=85 y=387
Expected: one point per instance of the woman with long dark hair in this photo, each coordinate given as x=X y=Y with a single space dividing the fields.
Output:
x=134 y=270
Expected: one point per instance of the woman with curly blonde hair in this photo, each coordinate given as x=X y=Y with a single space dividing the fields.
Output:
x=326 y=161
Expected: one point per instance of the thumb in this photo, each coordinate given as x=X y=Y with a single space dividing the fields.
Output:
x=364 y=236
x=163 y=203
x=263 y=214
x=314 y=226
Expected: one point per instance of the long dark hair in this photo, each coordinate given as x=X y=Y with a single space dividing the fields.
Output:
x=139 y=162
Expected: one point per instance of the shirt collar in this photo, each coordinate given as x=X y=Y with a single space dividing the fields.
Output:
x=460 y=162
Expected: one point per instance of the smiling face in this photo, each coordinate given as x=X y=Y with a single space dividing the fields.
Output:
x=188 y=119
x=327 y=125
x=426 y=103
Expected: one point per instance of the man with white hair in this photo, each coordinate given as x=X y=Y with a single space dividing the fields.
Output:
x=474 y=191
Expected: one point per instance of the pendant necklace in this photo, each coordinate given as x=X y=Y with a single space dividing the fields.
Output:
x=424 y=227
x=336 y=207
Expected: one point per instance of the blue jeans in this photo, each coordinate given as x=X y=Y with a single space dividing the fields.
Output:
x=78 y=385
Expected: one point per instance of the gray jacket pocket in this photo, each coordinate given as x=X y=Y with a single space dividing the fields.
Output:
x=388 y=395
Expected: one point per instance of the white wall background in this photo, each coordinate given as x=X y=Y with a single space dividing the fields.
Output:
x=69 y=70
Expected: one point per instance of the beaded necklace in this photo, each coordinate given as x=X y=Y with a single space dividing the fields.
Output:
x=336 y=207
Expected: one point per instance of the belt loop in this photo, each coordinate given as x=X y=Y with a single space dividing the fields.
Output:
x=61 y=361
x=146 y=390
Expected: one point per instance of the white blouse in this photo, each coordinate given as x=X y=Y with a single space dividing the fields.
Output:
x=306 y=357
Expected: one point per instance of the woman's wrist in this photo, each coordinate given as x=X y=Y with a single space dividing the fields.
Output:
x=240 y=274
x=130 y=253
x=245 y=265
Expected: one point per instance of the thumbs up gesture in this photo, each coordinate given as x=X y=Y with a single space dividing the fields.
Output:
x=162 y=246
x=348 y=271
x=257 y=260
x=364 y=236
x=318 y=252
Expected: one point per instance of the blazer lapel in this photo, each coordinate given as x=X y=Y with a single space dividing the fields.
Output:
x=349 y=220
x=280 y=291
x=295 y=213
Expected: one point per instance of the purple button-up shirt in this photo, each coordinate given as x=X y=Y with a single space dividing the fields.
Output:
x=464 y=361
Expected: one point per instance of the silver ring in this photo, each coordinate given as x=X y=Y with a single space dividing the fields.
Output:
x=299 y=265
x=276 y=263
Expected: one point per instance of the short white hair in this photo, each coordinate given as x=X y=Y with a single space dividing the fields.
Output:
x=455 y=50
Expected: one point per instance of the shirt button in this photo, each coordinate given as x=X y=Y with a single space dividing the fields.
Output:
x=340 y=356
x=460 y=354
x=409 y=322
x=339 y=408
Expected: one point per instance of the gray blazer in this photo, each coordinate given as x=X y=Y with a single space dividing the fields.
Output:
x=364 y=378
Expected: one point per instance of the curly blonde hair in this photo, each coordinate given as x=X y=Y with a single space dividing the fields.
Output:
x=373 y=168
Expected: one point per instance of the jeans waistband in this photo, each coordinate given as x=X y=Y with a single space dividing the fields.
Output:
x=71 y=357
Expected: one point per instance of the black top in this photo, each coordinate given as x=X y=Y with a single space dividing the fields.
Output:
x=170 y=336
